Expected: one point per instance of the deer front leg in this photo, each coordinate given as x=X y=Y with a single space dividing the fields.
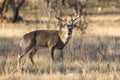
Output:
x=62 y=62
x=52 y=59
x=61 y=53
x=52 y=53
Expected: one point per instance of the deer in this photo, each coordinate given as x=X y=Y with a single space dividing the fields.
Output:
x=51 y=39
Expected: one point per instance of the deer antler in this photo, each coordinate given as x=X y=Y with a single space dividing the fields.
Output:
x=76 y=18
x=73 y=20
x=59 y=19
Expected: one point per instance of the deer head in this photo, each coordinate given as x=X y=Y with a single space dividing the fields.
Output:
x=66 y=28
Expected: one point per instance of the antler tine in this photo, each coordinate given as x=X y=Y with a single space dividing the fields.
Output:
x=59 y=19
x=76 y=18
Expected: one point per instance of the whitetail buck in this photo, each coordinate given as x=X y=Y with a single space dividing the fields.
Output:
x=52 y=39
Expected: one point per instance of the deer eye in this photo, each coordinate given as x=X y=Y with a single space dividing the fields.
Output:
x=74 y=25
x=62 y=25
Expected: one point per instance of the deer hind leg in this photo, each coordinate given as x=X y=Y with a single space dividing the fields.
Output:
x=23 y=54
x=19 y=66
x=31 y=56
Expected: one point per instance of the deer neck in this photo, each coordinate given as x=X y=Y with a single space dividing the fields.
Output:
x=64 y=36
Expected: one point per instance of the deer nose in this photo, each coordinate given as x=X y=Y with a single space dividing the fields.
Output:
x=69 y=33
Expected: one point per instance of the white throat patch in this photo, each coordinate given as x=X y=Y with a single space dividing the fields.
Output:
x=65 y=36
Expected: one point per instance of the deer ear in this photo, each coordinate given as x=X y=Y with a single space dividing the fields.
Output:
x=62 y=25
x=75 y=25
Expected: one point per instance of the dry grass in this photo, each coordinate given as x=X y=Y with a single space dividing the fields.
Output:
x=75 y=70
x=104 y=25
x=82 y=58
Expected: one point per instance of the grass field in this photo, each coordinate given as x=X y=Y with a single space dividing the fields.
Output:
x=82 y=56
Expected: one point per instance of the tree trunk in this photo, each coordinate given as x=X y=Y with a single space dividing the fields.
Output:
x=15 y=9
x=15 y=15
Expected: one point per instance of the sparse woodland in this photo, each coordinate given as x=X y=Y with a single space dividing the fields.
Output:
x=93 y=52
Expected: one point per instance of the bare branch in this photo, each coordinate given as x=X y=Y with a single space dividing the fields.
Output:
x=20 y=4
x=3 y=6
x=82 y=12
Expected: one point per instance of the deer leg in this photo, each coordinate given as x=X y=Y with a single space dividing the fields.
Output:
x=52 y=59
x=19 y=59
x=52 y=53
x=19 y=66
x=61 y=53
x=21 y=56
x=31 y=56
